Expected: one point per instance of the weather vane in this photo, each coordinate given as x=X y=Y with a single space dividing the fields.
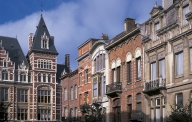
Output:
x=41 y=8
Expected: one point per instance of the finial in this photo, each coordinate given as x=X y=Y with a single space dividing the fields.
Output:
x=41 y=9
x=155 y=4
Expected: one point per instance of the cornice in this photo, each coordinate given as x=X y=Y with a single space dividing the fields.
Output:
x=180 y=35
x=166 y=28
x=82 y=56
x=113 y=44
x=156 y=47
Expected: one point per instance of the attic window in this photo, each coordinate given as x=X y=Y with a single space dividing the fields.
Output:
x=44 y=42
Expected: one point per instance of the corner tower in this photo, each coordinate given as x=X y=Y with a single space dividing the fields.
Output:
x=42 y=60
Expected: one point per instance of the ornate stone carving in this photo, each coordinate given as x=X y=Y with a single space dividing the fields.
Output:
x=161 y=55
x=171 y=16
x=178 y=48
x=153 y=58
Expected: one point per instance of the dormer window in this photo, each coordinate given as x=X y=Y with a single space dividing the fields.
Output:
x=44 y=42
x=22 y=77
x=4 y=75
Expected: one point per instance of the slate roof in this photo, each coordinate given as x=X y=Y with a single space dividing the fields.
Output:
x=12 y=46
x=60 y=69
x=41 y=29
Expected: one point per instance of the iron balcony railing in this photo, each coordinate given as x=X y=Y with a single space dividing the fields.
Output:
x=114 y=87
x=155 y=84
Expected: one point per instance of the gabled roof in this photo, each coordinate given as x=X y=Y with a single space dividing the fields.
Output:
x=12 y=46
x=40 y=31
x=60 y=70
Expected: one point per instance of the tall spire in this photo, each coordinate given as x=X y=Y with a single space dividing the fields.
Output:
x=41 y=9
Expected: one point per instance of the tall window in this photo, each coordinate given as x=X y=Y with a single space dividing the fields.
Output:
x=179 y=63
x=76 y=91
x=5 y=64
x=113 y=75
x=118 y=74
x=22 y=95
x=86 y=97
x=162 y=68
x=138 y=99
x=153 y=71
x=65 y=112
x=65 y=94
x=80 y=99
x=95 y=89
x=80 y=79
x=129 y=77
x=39 y=64
x=44 y=96
x=86 y=76
x=185 y=11
x=71 y=112
x=129 y=106
x=22 y=114
x=49 y=78
x=138 y=66
x=4 y=75
x=44 y=114
x=4 y=94
x=103 y=86
x=76 y=112
x=39 y=77
x=22 y=77
x=29 y=77
x=179 y=100
x=44 y=77
x=71 y=93
x=99 y=62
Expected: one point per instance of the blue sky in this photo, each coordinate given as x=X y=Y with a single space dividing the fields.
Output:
x=71 y=22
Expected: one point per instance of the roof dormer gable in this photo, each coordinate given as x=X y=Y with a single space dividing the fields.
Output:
x=156 y=9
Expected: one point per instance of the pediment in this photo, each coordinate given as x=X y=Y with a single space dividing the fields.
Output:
x=154 y=11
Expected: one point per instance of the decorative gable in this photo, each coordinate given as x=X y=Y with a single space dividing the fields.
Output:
x=154 y=11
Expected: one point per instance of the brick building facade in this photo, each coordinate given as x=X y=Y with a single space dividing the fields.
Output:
x=29 y=83
x=126 y=74
x=70 y=96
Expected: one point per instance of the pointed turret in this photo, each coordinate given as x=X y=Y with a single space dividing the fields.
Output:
x=42 y=41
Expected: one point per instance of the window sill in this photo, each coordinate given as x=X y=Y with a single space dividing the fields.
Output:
x=138 y=79
x=129 y=83
x=179 y=76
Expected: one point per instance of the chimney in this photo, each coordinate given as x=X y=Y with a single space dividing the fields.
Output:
x=104 y=36
x=67 y=60
x=129 y=24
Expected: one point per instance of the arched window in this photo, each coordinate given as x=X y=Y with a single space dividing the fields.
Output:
x=39 y=77
x=49 y=78
x=44 y=77
x=39 y=64
x=22 y=77
x=4 y=75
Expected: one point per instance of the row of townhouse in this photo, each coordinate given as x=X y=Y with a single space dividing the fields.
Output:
x=140 y=72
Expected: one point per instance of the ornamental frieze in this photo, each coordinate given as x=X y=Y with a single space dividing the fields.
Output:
x=153 y=58
x=178 y=48
x=161 y=55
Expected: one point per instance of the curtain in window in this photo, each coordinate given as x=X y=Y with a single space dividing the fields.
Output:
x=138 y=67
x=95 y=89
x=162 y=68
x=179 y=64
x=153 y=71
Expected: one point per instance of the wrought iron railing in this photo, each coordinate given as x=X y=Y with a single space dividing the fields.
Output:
x=114 y=87
x=154 y=84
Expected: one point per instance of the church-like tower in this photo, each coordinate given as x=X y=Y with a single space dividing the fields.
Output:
x=42 y=60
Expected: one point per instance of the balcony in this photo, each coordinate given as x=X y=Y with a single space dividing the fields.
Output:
x=114 y=89
x=154 y=86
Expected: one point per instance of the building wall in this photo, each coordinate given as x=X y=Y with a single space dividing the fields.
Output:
x=68 y=81
x=130 y=46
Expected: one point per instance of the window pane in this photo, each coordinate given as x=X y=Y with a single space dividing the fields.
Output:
x=162 y=68
x=138 y=68
x=185 y=11
x=158 y=117
x=152 y=115
x=153 y=71
x=95 y=89
x=179 y=100
x=129 y=77
x=179 y=63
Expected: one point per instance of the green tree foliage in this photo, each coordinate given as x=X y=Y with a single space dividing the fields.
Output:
x=181 y=114
x=3 y=111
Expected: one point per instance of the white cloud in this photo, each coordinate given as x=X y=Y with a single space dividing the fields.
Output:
x=72 y=23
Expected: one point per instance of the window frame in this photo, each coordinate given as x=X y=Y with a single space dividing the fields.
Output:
x=129 y=72
x=138 y=64
x=4 y=94
x=24 y=94
x=177 y=65
x=177 y=100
